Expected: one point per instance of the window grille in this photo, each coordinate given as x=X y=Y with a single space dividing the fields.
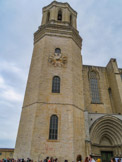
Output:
x=94 y=87
x=53 y=132
x=56 y=84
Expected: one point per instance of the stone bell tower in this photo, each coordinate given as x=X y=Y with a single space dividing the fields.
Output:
x=52 y=118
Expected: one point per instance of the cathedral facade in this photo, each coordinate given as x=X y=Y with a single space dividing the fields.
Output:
x=69 y=108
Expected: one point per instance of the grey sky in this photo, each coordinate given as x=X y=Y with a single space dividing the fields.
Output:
x=99 y=24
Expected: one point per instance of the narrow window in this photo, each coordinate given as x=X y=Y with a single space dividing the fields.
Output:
x=109 y=91
x=94 y=87
x=56 y=84
x=111 y=99
x=48 y=16
x=121 y=76
x=70 y=19
x=53 y=132
x=59 y=15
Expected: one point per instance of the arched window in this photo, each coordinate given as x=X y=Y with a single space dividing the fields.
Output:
x=48 y=16
x=53 y=132
x=57 y=51
x=56 y=84
x=94 y=87
x=59 y=15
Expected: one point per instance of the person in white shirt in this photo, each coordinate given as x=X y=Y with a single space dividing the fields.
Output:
x=91 y=158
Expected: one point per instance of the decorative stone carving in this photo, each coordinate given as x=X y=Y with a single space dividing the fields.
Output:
x=57 y=59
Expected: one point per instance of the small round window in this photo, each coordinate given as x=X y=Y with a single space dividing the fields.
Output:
x=58 y=50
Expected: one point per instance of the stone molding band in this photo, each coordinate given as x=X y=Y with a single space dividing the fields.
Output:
x=54 y=103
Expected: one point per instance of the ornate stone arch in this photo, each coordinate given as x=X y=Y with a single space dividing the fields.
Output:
x=48 y=16
x=106 y=140
x=106 y=132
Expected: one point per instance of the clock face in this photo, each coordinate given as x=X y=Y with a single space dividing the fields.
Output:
x=57 y=56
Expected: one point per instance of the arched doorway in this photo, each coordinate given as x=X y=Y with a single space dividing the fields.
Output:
x=106 y=137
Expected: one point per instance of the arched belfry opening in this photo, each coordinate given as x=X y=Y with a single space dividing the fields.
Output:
x=48 y=16
x=70 y=19
x=59 y=18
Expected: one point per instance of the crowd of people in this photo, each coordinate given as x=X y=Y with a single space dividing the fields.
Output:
x=18 y=160
x=51 y=159
x=91 y=159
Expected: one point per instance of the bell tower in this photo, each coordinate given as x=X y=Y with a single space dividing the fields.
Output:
x=52 y=118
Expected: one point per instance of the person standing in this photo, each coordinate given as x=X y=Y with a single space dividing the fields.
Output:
x=91 y=158
x=119 y=160
x=79 y=158
x=86 y=159
x=113 y=160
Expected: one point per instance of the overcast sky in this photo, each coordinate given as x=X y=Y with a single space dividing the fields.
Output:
x=100 y=26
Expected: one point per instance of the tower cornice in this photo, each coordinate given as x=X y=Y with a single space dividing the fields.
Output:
x=58 y=30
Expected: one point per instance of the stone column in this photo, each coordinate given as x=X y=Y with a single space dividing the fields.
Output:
x=53 y=14
x=44 y=18
x=74 y=22
x=66 y=15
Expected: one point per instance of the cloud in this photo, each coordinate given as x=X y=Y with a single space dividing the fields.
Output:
x=9 y=67
x=8 y=93
x=10 y=107
x=13 y=69
x=11 y=95
x=1 y=81
x=99 y=26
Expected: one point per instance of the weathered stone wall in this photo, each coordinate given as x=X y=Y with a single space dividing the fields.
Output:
x=41 y=146
x=40 y=103
x=104 y=106
x=109 y=77
x=115 y=84
x=24 y=137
